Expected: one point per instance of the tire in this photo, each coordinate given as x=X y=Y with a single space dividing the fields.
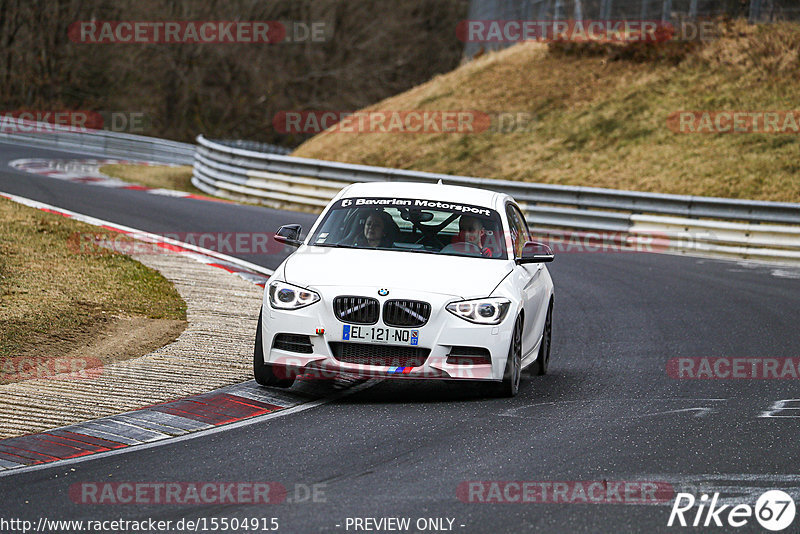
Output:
x=509 y=387
x=264 y=373
x=539 y=367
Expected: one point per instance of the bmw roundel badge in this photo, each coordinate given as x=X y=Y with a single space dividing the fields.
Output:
x=383 y=292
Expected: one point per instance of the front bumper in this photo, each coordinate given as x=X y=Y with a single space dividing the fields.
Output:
x=439 y=335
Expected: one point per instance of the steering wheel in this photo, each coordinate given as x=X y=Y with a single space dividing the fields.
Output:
x=463 y=247
x=427 y=235
x=469 y=247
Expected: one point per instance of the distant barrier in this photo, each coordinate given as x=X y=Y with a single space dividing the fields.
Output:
x=99 y=142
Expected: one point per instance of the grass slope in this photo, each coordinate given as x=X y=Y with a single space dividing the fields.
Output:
x=156 y=176
x=601 y=117
x=57 y=295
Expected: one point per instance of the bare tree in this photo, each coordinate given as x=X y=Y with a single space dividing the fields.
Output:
x=373 y=49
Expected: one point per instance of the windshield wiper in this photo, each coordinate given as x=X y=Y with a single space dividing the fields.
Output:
x=334 y=245
x=391 y=249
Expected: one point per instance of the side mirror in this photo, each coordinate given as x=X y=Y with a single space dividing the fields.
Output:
x=533 y=252
x=289 y=235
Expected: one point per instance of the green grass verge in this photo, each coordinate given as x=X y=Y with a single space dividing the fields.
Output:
x=51 y=287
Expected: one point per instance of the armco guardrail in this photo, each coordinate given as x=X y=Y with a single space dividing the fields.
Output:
x=742 y=228
x=98 y=142
x=255 y=146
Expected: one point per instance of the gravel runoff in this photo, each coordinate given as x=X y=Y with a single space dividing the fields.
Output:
x=215 y=350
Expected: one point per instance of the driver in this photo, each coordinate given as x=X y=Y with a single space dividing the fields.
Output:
x=472 y=232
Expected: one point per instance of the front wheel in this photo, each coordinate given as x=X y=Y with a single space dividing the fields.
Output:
x=509 y=387
x=264 y=373
x=542 y=362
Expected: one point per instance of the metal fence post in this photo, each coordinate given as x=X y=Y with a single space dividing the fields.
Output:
x=557 y=10
x=542 y=10
x=605 y=9
x=755 y=11
x=666 y=12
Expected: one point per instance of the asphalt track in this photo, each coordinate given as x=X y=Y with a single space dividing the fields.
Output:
x=607 y=411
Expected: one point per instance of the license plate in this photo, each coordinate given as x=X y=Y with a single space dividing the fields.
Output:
x=380 y=334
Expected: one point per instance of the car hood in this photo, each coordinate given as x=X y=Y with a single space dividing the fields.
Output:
x=448 y=275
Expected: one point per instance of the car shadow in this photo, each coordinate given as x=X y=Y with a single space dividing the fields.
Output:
x=532 y=390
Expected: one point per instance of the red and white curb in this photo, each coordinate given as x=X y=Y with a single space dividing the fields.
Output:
x=177 y=420
x=87 y=171
x=153 y=423
x=244 y=403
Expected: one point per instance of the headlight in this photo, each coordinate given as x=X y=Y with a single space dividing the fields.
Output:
x=481 y=311
x=283 y=296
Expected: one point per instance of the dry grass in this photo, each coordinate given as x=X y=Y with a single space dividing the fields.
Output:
x=54 y=300
x=156 y=176
x=175 y=178
x=601 y=118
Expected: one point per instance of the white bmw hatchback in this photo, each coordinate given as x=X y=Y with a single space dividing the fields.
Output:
x=408 y=280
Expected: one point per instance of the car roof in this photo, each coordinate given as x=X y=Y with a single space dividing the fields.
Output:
x=427 y=191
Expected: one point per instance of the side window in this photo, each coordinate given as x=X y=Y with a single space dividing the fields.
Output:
x=523 y=224
x=519 y=229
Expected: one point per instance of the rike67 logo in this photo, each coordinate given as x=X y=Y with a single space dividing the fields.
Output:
x=774 y=510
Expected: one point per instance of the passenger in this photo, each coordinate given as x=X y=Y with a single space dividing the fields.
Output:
x=375 y=231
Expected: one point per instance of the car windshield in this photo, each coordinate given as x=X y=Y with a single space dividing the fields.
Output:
x=412 y=225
